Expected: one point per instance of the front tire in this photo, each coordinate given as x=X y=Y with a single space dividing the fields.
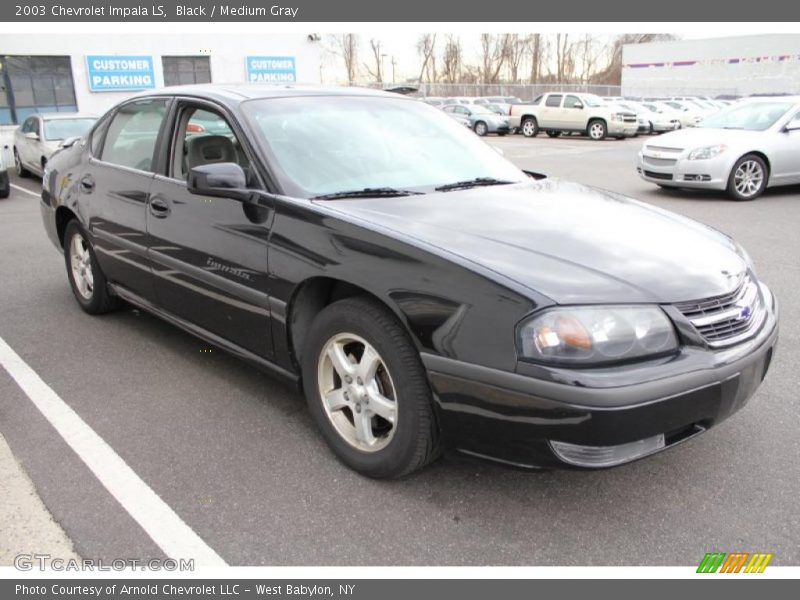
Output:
x=748 y=178
x=367 y=390
x=88 y=283
x=481 y=128
x=530 y=127
x=597 y=130
x=18 y=167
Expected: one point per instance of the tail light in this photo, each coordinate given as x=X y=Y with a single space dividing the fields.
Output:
x=195 y=128
x=510 y=106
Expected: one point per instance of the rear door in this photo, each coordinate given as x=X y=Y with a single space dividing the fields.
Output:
x=209 y=254
x=114 y=191
x=551 y=112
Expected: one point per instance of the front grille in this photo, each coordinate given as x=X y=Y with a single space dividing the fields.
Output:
x=727 y=319
x=654 y=175
x=630 y=119
x=659 y=162
x=663 y=149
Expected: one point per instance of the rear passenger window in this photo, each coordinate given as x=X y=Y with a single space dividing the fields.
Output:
x=554 y=100
x=132 y=134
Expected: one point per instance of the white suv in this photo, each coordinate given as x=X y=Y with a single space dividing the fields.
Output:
x=564 y=112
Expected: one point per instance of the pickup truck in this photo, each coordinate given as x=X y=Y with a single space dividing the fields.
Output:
x=583 y=113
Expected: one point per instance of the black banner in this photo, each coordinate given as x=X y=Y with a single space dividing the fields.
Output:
x=396 y=589
x=510 y=11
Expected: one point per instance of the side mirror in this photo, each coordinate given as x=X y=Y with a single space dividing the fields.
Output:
x=221 y=180
x=69 y=142
x=578 y=106
x=792 y=125
x=32 y=135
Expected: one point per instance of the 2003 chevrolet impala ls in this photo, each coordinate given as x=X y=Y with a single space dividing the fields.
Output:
x=425 y=292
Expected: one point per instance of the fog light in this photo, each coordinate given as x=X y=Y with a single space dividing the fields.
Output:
x=606 y=456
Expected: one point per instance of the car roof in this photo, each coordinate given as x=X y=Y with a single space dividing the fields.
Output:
x=232 y=93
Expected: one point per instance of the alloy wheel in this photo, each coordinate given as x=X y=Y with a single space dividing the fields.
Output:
x=81 y=265
x=357 y=392
x=748 y=178
x=596 y=131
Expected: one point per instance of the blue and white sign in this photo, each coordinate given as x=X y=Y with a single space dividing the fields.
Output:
x=271 y=69
x=120 y=73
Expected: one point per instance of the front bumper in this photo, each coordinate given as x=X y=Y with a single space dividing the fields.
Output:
x=711 y=174
x=514 y=418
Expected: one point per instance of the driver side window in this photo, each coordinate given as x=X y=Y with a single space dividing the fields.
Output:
x=205 y=137
x=132 y=134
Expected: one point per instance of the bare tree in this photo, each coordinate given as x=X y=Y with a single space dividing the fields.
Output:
x=452 y=59
x=426 y=46
x=515 y=48
x=589 y=53
x=537 y=48
x=377 y=55
x=493 y=56
x=346 y=46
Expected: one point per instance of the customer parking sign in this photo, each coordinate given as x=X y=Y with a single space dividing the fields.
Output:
x=271 y=69
x=120 y=73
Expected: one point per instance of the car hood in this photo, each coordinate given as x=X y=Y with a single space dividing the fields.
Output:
x=569 y=242
x=696 y=137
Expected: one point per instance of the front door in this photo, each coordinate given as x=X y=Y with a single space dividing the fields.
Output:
x=209 y=254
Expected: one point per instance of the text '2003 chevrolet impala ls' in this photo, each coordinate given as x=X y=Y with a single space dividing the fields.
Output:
x=425 y=292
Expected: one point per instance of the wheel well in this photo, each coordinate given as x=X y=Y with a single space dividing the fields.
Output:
x=310 y=298
x=526 y=117
x=63 y=217
x=593 y=119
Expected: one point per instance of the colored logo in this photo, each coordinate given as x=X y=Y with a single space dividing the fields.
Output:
x=735 y=562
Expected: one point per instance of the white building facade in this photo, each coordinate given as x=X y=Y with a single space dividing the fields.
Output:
x=725 y=66
x=91 y=73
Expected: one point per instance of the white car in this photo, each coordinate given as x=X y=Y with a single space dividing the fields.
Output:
x=743 y=149
x=658 y=121
x=41 y=134
x=5 y=185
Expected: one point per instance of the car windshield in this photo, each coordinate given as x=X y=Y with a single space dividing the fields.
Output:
x=756 y=116
x=330 y=144
x=62 y=129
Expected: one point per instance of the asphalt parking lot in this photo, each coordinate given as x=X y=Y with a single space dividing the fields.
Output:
x=235 y=454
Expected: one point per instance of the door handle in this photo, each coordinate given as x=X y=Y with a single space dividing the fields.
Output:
x=87 y=184
x=159 y=208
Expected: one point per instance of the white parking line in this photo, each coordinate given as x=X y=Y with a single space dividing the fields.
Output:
x=19 y=188
x=158 y=520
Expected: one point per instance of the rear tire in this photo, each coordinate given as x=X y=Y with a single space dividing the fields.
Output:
x=5 y=190
x=529 y=127
x=552 y=133
x=89 y=285
x=350 y=401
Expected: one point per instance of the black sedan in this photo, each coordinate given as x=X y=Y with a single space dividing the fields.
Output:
x=425 y=293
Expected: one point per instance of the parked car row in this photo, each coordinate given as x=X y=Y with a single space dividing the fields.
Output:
x=484 y=115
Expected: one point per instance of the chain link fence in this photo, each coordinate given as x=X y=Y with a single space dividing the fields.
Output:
x=526 y=91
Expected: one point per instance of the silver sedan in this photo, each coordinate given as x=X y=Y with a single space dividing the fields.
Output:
x=41 y=134
x=743 y=149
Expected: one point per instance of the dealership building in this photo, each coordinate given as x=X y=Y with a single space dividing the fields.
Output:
x=90 y=73
x=725 y=66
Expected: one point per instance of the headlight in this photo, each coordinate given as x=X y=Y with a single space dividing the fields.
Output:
x=594 y=335
x=707 y=152
x=617 y=117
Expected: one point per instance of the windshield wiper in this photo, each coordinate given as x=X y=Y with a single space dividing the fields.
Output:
x=379 y=192
x=468 y=183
